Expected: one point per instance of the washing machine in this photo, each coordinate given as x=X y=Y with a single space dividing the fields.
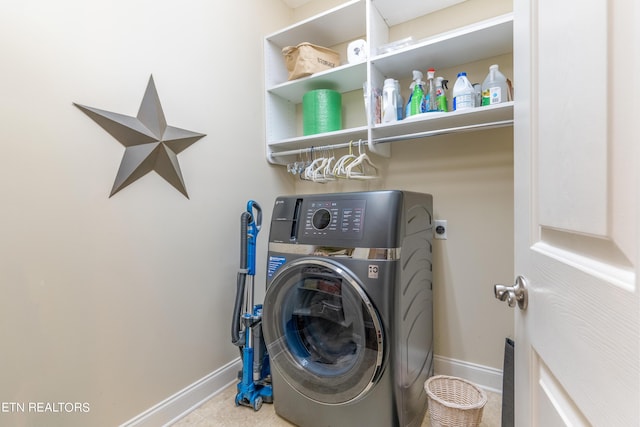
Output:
x=348 y=310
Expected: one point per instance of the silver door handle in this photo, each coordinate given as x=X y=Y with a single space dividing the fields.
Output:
x=513 y=294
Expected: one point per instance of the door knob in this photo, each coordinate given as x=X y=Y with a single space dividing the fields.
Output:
x=513 y=294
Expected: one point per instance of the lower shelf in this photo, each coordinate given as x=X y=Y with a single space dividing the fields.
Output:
x=461 y=120
x=423 y=126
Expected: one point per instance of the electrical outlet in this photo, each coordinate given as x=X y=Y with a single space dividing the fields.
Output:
x=440 y=229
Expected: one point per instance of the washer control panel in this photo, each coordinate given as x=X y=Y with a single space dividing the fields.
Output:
x=339 y=219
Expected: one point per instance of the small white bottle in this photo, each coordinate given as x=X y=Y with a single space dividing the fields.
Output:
x=494 y=87
x=389 y=101
x=463 y=93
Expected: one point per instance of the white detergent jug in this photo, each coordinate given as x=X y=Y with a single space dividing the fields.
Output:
x=463 y=93
x=389 y=101
x=494 y=87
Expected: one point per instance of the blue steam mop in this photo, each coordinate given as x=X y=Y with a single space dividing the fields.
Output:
x=254 y=387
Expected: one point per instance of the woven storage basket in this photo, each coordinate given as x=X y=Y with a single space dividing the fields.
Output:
x=454 y=402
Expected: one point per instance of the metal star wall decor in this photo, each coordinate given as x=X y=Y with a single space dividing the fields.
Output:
x=150 y=144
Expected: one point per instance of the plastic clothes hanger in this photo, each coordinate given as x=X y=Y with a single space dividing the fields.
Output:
x=362 y=167
x=319 y=173
x=309 y=171
x=339 y=170
x=311 y=166
x=306 y=172
x=327 y=172
x=316 y=173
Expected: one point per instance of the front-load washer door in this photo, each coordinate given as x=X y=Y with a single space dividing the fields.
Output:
x=322 y=332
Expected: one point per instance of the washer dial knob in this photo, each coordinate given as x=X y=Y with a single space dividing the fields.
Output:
x=321 y=219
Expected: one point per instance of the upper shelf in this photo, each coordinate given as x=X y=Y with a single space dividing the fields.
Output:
x=345 y=78
x=481 y=40
x=394 y=14
x=344 y=22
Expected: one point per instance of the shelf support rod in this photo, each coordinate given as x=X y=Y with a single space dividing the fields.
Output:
x=388 y=139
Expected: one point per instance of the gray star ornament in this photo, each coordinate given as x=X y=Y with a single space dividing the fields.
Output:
x=150 y=144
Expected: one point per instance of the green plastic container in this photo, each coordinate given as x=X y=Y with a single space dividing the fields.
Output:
x=321 y=111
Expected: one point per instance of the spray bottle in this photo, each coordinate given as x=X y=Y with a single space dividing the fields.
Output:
x=416 y=100
x=430 y=96
x=441 y=96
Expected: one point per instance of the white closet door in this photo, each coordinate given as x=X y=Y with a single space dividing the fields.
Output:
x=577 y=218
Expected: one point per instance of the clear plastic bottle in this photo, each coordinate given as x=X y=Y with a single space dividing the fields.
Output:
x=478 y=88
x=430 y=95
x=494 y=87
x=389 y=101
x=399 y=102
x=463 y=93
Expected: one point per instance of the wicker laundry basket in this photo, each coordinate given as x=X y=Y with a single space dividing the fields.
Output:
x=454 y=402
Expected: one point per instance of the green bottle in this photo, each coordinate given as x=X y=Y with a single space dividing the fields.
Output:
x=417 y=96
x=441 y=96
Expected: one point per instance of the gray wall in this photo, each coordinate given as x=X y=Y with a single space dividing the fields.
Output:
x=120 y=302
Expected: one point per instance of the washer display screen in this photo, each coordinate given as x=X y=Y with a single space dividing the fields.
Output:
x=341 y=219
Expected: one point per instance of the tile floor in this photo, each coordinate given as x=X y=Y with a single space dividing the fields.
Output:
x=220 y=411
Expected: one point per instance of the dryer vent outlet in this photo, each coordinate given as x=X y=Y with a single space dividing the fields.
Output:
x=440 y=229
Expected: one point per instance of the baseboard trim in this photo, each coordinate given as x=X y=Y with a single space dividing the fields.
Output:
x=186 y=400
x=488 y=378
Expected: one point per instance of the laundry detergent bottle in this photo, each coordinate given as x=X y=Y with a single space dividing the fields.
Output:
x=494 y=87
x=463 y=93
x=389 y=101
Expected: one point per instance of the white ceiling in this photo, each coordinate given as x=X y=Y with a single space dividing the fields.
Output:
x=392 y=13
x=410 y=9
x=295 y=3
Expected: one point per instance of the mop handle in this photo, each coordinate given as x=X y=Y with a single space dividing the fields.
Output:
x=253 y=228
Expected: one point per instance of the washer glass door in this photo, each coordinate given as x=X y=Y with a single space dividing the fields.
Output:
x=322 y=332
